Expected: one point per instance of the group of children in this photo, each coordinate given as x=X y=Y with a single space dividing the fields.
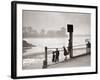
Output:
x=55 y=57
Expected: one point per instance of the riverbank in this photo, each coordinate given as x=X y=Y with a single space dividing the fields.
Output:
x=37 y=63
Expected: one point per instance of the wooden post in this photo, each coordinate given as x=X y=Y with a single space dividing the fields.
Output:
x=46 y=55
x=45 y=61
x=70 y=46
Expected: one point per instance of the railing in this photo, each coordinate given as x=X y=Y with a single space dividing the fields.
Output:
x=76 y=48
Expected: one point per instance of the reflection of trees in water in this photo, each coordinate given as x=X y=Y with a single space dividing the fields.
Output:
x=27 y=45
x=30 y=32
x=26 y=48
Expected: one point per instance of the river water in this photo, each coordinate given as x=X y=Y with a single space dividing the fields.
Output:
x=40 y=43
x=33 y=55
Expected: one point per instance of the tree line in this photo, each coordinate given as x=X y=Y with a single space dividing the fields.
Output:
x=29 y=32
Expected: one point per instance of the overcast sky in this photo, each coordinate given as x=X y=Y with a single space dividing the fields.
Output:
x=55 y=20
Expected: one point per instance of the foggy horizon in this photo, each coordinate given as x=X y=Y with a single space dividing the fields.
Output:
x=47 y=20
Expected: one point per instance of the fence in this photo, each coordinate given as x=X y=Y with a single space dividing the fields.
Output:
x=78 y=50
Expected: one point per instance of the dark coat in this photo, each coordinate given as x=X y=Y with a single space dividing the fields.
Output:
x=53 y=57
x=88 y=45
x=65 y=52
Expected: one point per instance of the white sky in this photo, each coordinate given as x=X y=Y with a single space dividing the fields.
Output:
x=55 y=20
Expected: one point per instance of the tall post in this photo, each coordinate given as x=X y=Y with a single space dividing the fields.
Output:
x=70 y=45
x=45 y=61
x=46 y=55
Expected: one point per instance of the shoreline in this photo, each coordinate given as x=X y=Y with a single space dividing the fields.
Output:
x=80 y=61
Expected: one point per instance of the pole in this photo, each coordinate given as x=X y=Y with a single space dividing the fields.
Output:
x=45 y=61
x=46 y=55
x=71 y=44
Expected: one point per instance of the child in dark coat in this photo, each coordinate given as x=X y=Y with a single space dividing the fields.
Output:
x=65 y=53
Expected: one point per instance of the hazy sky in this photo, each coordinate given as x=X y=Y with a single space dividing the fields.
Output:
x=55 y=20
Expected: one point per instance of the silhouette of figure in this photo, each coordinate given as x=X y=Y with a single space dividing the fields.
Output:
x=89 y=44
x=53 y=56
x=69 y=47
x=88 y=47
x=65 y=53
x=57 y=54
